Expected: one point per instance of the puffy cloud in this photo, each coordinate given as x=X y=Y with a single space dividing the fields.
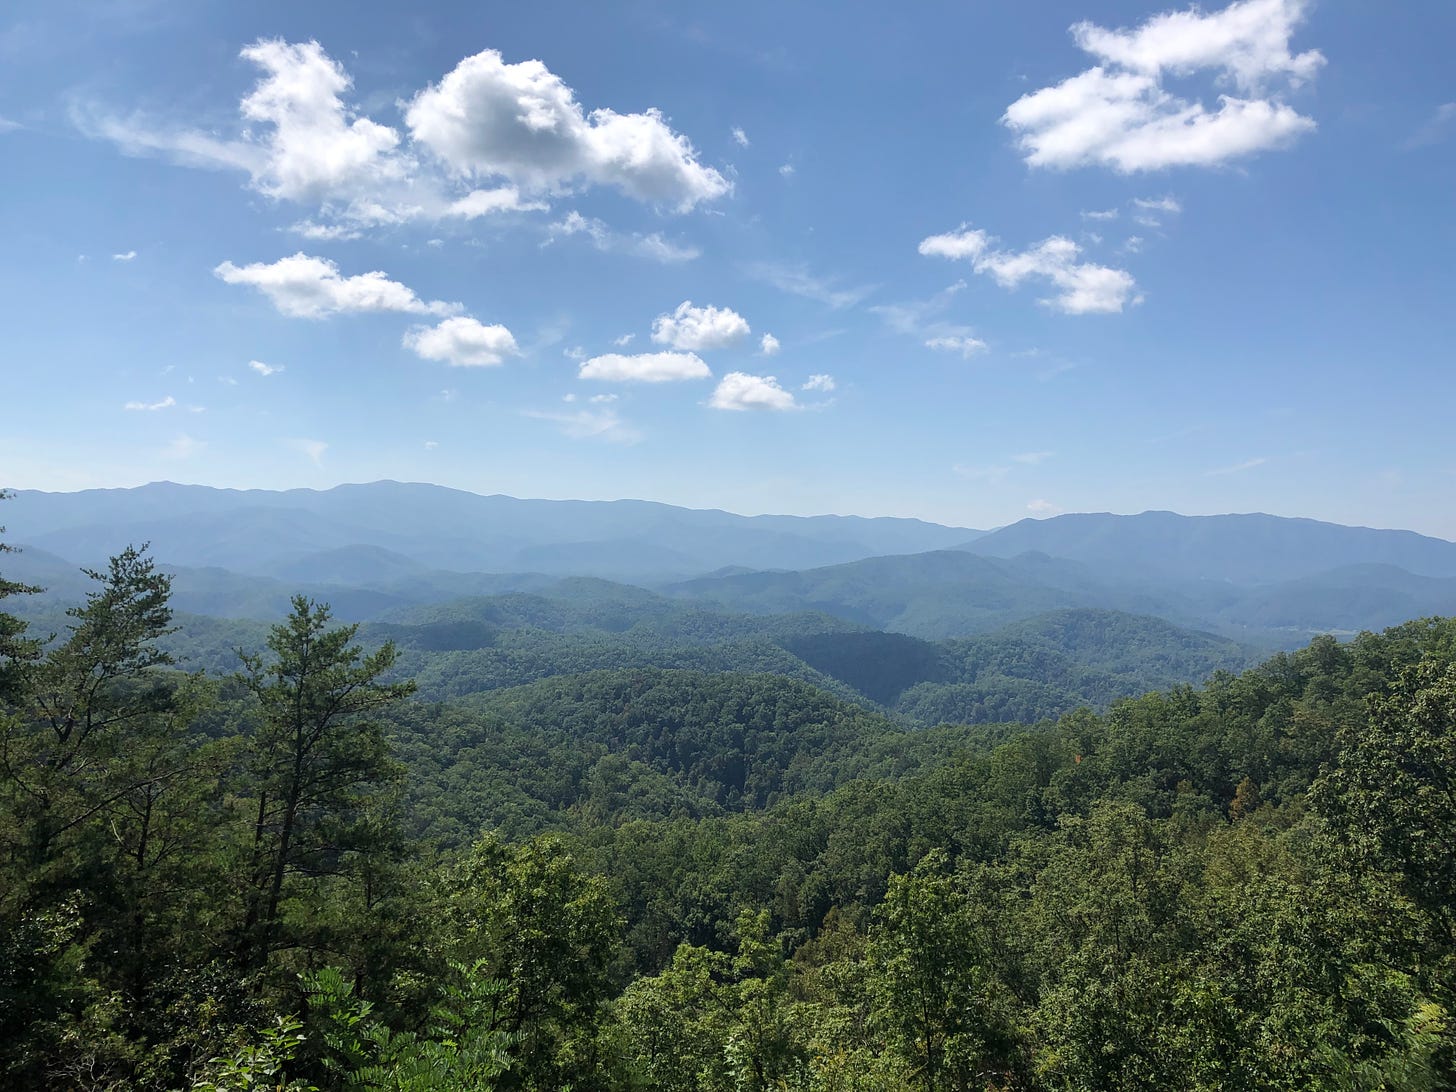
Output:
x=165 y=403
x=1084 y=286
x=823 y=383
x=309 y=287
x=124 y=257
x=1118 y=114
x=623 y=341
x=265 y=369
x=768 y=345
x=740 y=137
x=961 y=243
x=956 y=343
x=741 y=391
x=318 y=150
x=521 y=122
x=462 y=343
x=645 y=368
x=787 y=170
x=602 y=424
x=303 y=141
x=699 y=328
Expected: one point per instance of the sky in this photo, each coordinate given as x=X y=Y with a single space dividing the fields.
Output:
x=968 y=262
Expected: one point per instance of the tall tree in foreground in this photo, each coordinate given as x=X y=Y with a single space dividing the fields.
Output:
x=16 y=649
x=317 y=761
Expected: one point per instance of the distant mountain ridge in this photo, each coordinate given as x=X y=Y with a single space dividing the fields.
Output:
x=1251 y=548
x=286 y=533
x=373 y=549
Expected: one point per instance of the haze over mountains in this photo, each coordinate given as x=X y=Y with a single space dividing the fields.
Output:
x=373 y=549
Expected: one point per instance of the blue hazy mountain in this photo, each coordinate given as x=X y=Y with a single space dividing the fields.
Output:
x=299 y=531
x=1244 y=549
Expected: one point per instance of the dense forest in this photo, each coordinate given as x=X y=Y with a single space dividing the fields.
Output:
x=303 y=872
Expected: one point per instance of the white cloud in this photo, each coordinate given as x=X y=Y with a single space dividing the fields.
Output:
x=957 y=343
x=576 y=353
x=768 y=345
x=1032 y=458
x=1041 y=507
x=431 y=445
x=1084 y=286
x=645 y=368
x=961 y=243
x=787 y=170
x=699 y=329
x=1158 y=204
x=603 y=424
x=740 y=136
x=312 y=449
x=623 y=341
x=602 y=399
x=740 y=391
x=1133 y=245
x=462 y=343
x=521 y=122
x=227 y=380
x=478 y=203
x=798 y=281
x=124 y=257
x=327 y=233
x=265 y=369
x=165 y=403
x=823 y=383
x=1118 y=114
x=1100 y=214
x=654 y=245
x=302 y=140
x=308 y=287
x=6 y=125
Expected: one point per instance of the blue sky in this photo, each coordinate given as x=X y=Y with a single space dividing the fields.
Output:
x=972 y=263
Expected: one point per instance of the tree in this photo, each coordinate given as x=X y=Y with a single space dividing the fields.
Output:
x=63 y=754
x=1391 y=795
x=315 y=761
x=938 y=995
x=16 y=649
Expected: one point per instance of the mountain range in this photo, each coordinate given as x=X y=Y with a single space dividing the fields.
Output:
x=375 y=549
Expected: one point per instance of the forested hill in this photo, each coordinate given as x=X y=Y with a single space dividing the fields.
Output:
x=952 y=593
x=299 y=877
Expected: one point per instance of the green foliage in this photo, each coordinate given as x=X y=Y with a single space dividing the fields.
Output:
x=313 y=763
x=720 y=881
